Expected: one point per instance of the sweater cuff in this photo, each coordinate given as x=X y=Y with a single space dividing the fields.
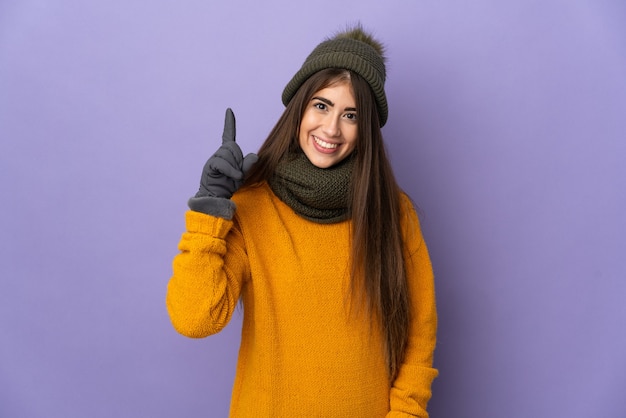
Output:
x=201 y=223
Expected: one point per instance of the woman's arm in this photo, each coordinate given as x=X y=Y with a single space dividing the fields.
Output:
x=411 y=390
x=208 y=274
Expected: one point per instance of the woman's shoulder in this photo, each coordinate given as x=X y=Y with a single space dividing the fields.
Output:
x=410 y=223
x=251 y=191
x=408 y=208
x=253 y=198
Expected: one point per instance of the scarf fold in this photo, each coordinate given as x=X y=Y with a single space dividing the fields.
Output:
x=317 y=194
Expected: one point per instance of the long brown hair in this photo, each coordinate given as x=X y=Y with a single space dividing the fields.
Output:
x=378 y=273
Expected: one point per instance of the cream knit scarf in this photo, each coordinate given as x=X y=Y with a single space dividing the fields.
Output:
x=317 y=194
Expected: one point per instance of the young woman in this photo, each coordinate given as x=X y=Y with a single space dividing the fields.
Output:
x=322 y=248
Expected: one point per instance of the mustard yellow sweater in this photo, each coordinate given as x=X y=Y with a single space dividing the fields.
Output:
x=303 y=352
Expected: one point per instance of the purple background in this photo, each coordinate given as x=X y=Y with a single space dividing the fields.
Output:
x=507 y=126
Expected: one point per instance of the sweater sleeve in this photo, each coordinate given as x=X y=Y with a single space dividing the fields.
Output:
x=411 y=390
x=208 y=275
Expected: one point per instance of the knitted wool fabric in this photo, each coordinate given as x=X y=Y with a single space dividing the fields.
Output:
x=317 y=194
x=350 y=51
x=304 y=352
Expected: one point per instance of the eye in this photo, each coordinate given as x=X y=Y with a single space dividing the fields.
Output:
x=320 y=105
x=351 y=116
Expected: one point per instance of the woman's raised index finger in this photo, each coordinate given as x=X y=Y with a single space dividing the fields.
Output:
x=229 y=127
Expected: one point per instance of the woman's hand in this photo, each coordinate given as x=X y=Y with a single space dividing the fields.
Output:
x=224 y=171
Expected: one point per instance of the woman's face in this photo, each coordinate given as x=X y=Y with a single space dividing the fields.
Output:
x=328 y=131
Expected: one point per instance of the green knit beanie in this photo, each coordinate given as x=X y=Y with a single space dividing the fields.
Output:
x=353 y=50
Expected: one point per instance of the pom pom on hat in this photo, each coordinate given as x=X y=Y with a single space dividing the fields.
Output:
x=355 y=50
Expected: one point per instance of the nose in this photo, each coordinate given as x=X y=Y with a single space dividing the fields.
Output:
x=331 y=126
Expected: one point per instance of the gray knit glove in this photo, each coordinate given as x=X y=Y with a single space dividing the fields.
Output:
x=222 y=175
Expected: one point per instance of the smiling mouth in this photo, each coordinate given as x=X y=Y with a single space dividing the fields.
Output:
x=324 y=144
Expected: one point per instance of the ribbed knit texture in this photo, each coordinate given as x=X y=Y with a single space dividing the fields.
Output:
x=302 y=353
x=317 y=194
x=350 y=54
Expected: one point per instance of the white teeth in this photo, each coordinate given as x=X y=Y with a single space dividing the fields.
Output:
x=324 y=144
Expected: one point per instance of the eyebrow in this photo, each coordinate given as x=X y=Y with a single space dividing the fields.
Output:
x=331 y=104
